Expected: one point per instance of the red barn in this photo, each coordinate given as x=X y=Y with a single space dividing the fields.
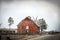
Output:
x=27 y=26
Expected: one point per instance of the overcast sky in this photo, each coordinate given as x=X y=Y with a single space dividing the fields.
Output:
x=18 y=10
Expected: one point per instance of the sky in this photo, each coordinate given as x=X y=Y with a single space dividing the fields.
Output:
x=18 y=10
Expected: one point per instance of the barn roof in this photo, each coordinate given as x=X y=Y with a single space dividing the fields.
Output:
x=28 y=19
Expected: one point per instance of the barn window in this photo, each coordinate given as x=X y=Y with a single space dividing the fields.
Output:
x=27 y=27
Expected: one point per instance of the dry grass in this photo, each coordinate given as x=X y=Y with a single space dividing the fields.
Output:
x=32 y=37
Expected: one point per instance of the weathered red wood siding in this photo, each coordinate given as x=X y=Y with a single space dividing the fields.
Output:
x=33 y=28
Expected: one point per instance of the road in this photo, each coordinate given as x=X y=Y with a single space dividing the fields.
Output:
x=47 y=37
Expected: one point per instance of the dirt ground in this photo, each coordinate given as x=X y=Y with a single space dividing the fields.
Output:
x=32 y=37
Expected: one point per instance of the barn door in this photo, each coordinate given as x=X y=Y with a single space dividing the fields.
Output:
x=27 y=29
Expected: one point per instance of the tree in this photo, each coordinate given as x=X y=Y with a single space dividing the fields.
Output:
x=10 y=21
x=0 y=24
x=42 y=24
x=29 y=17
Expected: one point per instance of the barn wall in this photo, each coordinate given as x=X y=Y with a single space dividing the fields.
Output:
x=32 y=27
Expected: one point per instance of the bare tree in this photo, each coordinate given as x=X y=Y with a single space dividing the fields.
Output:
x=35 y=19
